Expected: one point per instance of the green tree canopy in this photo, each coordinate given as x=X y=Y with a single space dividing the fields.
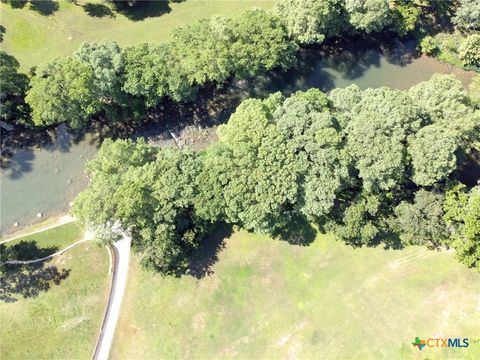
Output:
x=438 y=95
x=63 y=90
x=377 y=133
x=312 y=132
x=467 y=15
x=259 y=42
x=310 y=22
x=12 y=90
x=256 y=177
x=462 y=214
x=421 y=222
x=474 y=91
x=432 y=151
x=150 y=193
x=368 y=15
x=469 y=50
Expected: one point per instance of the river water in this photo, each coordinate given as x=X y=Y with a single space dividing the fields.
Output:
x=45 y=178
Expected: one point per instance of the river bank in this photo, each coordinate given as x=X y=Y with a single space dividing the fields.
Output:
x=42 y=171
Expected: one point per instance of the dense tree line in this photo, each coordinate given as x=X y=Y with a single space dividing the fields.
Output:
x=367 y=165
x=12 y=91
x=103 y=81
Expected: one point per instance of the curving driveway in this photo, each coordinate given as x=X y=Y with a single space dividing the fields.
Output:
x=121 y=255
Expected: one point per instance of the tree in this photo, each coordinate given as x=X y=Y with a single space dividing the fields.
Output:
x=405 y=17
x=467 y=15
x=368 y=15
x=63 y=91
x=147 y=72
x=469 y=50
x=428 y=45
x=462 y=214
x=12 y=91
x=438 y=95
x=432 y=151
x=202 y=49
x=344 y=99
x=421 y=222
x=150 y=193
x=377 y=132
x=359 y=225
x=107 y=63
x=259 y=42
x=310 y=22
x=311 y=131
x=252 y=171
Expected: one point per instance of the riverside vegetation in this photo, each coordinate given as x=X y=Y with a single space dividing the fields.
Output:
x=114 y=84
x=364 y=164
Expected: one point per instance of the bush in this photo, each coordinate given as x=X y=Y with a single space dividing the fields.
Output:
x=428 y=45
x=469 y=50
x=474 y=91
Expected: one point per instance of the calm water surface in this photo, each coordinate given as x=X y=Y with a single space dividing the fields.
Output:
x=46 y=178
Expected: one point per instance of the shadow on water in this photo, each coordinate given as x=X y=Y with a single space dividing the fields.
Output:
x=18 y=146
x=27 y=281
x=202 y=261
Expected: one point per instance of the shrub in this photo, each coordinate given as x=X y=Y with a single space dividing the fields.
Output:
x=474 y=91
x=428 y=45
x=469 y=50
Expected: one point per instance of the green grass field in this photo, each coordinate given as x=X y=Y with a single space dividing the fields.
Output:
x=271 y=300
x=60 y=236
x=63 y=321
x=34 y=38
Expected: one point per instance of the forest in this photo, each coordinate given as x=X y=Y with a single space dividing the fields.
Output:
x=373 y=166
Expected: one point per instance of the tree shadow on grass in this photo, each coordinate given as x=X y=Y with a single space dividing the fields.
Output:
x=98 y=10
x=202 y=261
x=298 y=231
x=25 y=250
x=16 y=4
x=388 y=240
x=2 y=32
x=140 y=10
x=27 y=281
x=44 y=7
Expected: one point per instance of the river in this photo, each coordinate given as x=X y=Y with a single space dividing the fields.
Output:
x=45 y=178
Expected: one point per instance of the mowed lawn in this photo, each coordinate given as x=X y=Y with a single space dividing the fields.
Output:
x=34 y=38
x=58 y=237
x=267 y=299
x=63 y=321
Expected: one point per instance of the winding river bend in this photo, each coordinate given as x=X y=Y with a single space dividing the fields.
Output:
x=45 y=178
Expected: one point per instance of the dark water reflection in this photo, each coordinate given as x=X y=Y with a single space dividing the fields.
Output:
x=43 y=171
